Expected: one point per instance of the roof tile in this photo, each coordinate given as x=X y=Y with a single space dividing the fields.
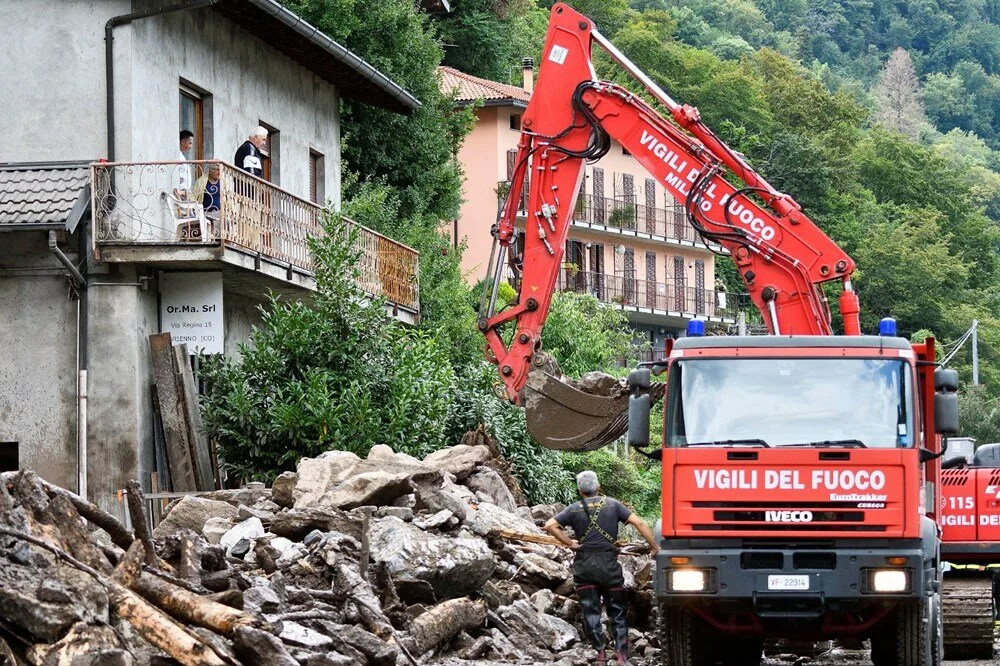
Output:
x=470 y=88
x=39 y=195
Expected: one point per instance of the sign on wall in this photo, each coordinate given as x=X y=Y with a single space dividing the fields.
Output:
x=191 y=310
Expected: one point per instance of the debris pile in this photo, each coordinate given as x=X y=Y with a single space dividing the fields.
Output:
x=383 y=560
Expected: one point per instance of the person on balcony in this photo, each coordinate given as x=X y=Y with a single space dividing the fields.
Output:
x=248 y=155
x=207 y=190
x=182 y=173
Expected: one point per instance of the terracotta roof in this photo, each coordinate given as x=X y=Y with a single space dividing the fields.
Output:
x=43 y=195
x=471 y=88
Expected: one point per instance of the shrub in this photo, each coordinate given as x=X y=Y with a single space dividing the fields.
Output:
x=338 y=374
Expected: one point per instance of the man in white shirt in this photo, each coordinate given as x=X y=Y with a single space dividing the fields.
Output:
x=182 y=174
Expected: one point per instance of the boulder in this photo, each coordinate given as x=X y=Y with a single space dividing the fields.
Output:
x=454 y=566
x=545 y=631
x=537 y=571
x=214 y=528
x=255 y=646
x=318 y=476
x=248 y=530
x=191 y=513
x=488 y=485
x=542 y=512
x=283 y=490
x=400 y=512
x=295 y=524
x=432 y=499
x=367 y=489
x=262 y=599
x=293 y=633
x=459 y=460
x=434 y=520
x=70 y=596
x=383 y=459
x=490 y=518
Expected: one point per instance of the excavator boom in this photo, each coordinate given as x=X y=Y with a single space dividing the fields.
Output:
x=782 y=256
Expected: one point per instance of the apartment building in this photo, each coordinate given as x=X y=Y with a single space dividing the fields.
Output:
x=630 y=244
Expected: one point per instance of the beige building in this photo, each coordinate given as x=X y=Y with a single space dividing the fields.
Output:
x=630 y=243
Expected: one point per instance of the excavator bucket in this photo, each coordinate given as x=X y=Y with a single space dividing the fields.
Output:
x=568 y=415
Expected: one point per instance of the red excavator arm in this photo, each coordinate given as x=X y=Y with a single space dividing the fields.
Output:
x=782 y=256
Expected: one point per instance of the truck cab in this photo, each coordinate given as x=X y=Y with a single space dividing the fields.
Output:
x=795 y=496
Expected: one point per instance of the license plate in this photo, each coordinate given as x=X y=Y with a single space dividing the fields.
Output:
x=788 y=582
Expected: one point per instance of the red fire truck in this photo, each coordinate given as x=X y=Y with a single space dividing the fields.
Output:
x=801 y=478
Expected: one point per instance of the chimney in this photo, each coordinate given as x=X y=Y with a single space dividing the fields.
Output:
x=528 y=70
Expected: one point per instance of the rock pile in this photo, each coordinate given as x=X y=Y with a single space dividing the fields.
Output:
x=382 y=560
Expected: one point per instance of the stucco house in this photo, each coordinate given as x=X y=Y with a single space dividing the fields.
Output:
x=629 y=242
x=104 y=238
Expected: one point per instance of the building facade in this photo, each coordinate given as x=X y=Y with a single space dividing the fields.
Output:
x=630 y=244
x=102 y=227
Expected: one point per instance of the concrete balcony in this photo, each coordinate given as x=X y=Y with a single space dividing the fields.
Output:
x=146 y=213
x=663 y=303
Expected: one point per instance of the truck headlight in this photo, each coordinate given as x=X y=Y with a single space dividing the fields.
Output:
x=687 y=580
x=889 y=580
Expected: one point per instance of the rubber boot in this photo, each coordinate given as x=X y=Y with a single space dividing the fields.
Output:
x=617 y=607
x=590 y=610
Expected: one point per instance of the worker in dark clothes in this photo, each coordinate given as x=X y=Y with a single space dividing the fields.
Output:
x=596 y=571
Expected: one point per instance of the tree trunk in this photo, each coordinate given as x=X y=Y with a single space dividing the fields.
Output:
x=442 y=622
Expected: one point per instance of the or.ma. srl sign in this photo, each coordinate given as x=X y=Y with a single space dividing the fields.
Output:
x=191 y=310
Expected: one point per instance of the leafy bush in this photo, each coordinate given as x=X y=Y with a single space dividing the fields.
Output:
x=632 y=480
x=338 y=374
x=539 y=471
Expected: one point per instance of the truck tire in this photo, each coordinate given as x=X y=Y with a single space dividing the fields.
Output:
x=905 y=639
x=682 y=638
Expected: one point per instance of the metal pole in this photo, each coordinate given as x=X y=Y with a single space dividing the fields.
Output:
x=741 y=323
x=975 y=352
x=630 y=67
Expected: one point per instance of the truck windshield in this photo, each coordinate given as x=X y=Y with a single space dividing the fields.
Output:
x=850 y=402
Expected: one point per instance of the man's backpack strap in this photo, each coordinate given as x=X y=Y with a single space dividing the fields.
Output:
x=592 y=524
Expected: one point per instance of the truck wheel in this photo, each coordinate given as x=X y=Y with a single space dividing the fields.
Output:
x=682 y=639
x=905 y=639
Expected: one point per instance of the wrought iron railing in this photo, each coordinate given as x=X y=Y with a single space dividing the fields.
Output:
x=668 y=223
x=667 y=296
x=160 y=203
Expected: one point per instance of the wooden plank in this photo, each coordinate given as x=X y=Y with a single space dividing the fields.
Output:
x=175 y=430
x=159 y=445
x=197 y=441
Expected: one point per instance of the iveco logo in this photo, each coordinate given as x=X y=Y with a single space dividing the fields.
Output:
x=788 y=516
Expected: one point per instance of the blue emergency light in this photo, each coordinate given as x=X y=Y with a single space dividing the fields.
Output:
x=887 y=326
x=696 y=328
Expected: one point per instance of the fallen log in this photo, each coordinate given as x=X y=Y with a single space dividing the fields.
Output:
x=137 y=510
x=358 y=589
x=190 y=607
x=442 y=622
x=120 y=536
x=63 y=515
x=156 y=627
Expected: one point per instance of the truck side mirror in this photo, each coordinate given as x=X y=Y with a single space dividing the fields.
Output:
x=945 y=381
x=945 y=414
x=638 y=420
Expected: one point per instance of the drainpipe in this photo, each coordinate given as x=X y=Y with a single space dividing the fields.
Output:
x=81 y=352
x=109 y=52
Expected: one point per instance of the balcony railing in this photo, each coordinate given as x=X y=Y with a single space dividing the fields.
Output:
x=667 y=296
x=153 y=203
x=668 y=223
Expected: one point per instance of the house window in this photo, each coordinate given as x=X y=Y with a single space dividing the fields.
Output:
x=679 y=291
x=515 y=121
x=651 y=300
x=9 y=457
x=317 y=177
x=270 y=155
x=192 y=118
x=598 y=195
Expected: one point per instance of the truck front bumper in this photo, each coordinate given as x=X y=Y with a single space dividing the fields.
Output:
x=797 y=580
